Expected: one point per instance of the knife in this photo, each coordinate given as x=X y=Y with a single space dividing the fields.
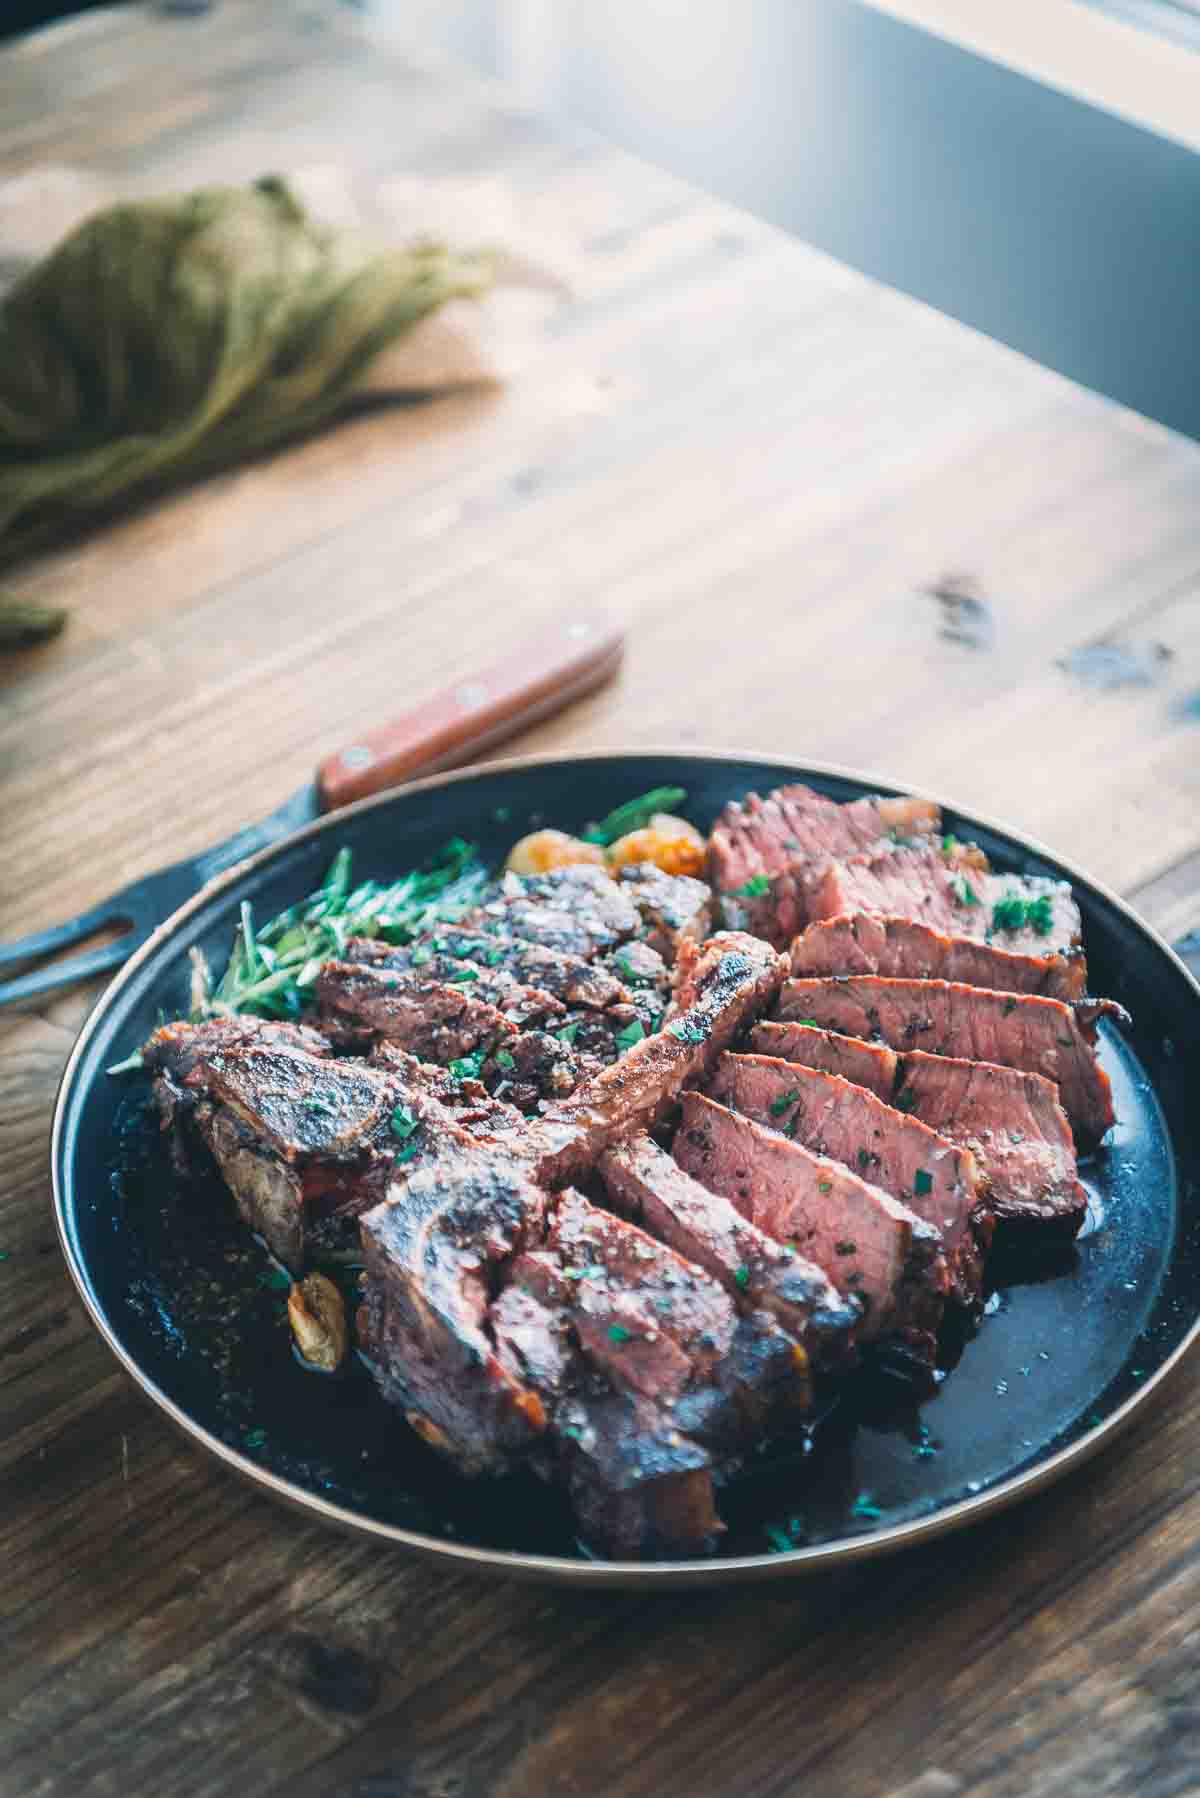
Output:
x=567 y=660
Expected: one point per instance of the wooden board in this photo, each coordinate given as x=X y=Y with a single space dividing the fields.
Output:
x=838 y=526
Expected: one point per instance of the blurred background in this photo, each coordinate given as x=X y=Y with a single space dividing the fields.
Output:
x=887 y=135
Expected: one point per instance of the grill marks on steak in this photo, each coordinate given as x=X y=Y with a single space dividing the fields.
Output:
x=1018 y=1030
x=673 y=908
x=439 y=1022
x=523 y=1004
x=1017 y=1129
x=872 y=1247
x=758 y=1273
x=569 y=978
x=936 y=1178
x=777 y=839
x=902 y=948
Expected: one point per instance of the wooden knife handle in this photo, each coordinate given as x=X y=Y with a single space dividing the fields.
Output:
x=568 y=659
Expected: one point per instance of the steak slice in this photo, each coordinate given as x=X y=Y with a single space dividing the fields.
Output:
x=638 y=1485
x=873 y=1248
x=524 y=1005
x=569 y=978
x=904 y=880
x=759 y=1274
x=864 y=1064
x=671 y=906
x=775 y=840
x=178 y=1050
x=936 y=1178
x=360 y=1005
x=1017 y=1030
x=905 y=949
x=733 y=980
x=1017 y=1129
x=431 y=1255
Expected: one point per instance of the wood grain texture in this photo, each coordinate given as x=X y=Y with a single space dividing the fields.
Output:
x=835 y=524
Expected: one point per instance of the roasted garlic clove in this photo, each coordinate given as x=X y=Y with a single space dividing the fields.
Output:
x=318 y=1319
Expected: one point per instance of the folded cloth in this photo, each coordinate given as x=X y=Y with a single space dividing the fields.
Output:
x=168 y=338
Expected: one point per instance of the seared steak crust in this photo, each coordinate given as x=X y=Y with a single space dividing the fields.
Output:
x=1017 y=1030
x=360 y=1005
x=572 y=979
x=671 y=906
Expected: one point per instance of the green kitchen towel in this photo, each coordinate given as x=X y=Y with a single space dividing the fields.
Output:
x=168 y=338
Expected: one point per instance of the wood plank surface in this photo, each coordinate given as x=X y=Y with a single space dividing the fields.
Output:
x=837 y=525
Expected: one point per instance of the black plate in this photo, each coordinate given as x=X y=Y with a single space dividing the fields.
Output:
x=1064 y=1357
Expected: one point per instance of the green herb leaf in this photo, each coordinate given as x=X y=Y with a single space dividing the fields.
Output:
x=130 y=1065
x=618 y=1333
x=594 y=1271
x=1012 y=912
x=845 y=1248
x=461 y=976
x=755 y=888
x=905 y=1101
x=807 y=1023
x=781 y=1542
x=467 y=1067
x=568 y=1033
x=780 y=1105
x=686 y=1030
x=406 y=1154
x=503 y=1059
x=742 y=1276
x=949 y=845
x=865 y=1506
x=634 y=814
x=402 y=1123
x=963 y=891
x=824 y=1185
x=632 y=1033
x=275 y=1280
x=922 y=1183
x=254 y=1438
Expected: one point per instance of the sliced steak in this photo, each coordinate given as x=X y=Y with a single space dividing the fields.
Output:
x=1017 y=1030
x=865 y=1064
x=1016 y=1127
x=431 y=1256
x=904 y=880
x=178 y=1050
x=524 y=1005
x=671 y=906
x=760 y=850
x=872 y=1247
x=904 y=949
x=935 y=1177
x=759 y=1274
x=570 y=978
x=735 y=978
x=360 y=1005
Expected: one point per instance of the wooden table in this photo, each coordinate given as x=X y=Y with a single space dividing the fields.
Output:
x=766 y=465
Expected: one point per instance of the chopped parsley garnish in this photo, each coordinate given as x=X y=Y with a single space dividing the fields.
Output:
x=824 y=1185
x=807 y=1023
x=402 y=1123
x=504 y=1059
x=573 y=1431
x=568 y=1033
x=949 y=845
x=420 y=955
x=632 y=1033
x=634 y=814
x=467 y=1067
x=781 y=1542
x=461 y=976
x=865 y=1506
x=922 y=1182
x=906 y=1101
x=685 y=1030
x=1012 y=912
x=780 y=1105
x=864 y=1159
x=963 y=891
x=618 y=1333
x=1010 y=1005
x=755 y=888
x=742 y=1276
x=275 y=1280
x=254 y=1438
x=406 y=1154
x=593 y=1271
x=845 y=1248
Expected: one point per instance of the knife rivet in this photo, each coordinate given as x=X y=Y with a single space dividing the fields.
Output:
x=470 y=694
x=359 y=756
